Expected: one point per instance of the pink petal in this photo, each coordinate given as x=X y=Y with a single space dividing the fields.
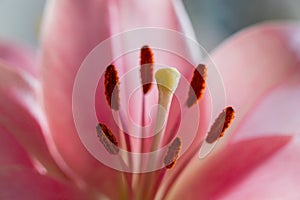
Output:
x=16 y=55
x=262 y=84
x=21 y=115
x=278 y=178
x=256 y=60
x=19 y=183
x=277 y=111
x=223 y=172
x=71 y=31
x=12 y=153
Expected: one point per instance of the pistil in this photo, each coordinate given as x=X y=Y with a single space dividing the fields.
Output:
x=167 y=81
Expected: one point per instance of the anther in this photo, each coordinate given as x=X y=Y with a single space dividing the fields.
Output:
x=220 y=125
x=107 y=138
x=197 y=86
x=112 y=88
x=173 y=153
x=147 y=62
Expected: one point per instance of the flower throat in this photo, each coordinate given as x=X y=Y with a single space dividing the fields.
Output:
x=146 y=184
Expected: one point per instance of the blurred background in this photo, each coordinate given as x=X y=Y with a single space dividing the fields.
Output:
x=213 y=20
x=20 y=20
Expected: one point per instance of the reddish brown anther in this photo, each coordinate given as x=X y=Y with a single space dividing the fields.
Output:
x=197 y=86
x=147 y=62
x=219 y=127
x=173 y=153
x=107 y=138
x=112 y=87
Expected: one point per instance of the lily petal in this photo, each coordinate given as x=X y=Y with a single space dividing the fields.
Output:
x=256 y=60
x=71 y=30
x=277 y=111
x=262 y=58
x=278 y=178
x=12 y=153
x=16 y=55
x=223 y=172
x=27 y=184
x=21 y=115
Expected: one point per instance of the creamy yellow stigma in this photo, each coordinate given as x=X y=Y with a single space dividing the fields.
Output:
x=168 y=78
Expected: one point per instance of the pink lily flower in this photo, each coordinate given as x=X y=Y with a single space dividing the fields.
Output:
x=43 y=157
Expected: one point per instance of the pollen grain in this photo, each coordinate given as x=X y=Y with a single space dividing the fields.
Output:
x=220 y=125
x=147 y=65
x=107 y=138
x=112 y=87
x=173 y=153
x=197 y=85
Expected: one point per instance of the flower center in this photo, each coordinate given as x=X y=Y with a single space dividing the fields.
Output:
x=167 y=79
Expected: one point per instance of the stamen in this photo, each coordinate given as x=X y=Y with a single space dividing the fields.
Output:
x=107 y=138
x=147 y=62
x=197 y=86
x=173 y=153
x=220 y=125
x=112 y=89
x=167 y=81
